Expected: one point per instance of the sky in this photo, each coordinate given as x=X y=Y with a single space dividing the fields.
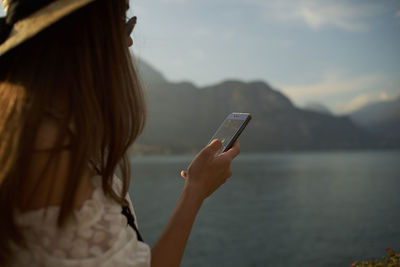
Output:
x=342 y=54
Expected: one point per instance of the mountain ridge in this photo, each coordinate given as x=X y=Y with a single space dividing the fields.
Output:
x=381 y=119
x=182 y=117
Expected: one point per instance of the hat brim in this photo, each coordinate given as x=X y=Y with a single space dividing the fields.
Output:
x=38 y=21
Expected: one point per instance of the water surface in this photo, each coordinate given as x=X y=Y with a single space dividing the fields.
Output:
x=283 y=209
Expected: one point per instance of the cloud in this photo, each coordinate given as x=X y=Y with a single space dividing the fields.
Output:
x=197 y=54
x=174 y=1
x=228 y=35
x=201 y=33
x=318 y=14
x=360 y=101
x=333 y=84
x=342 y=93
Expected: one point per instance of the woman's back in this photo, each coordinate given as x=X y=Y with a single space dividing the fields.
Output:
x=96 y=235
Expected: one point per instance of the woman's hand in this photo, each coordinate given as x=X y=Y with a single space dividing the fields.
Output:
x=205 y=174
x=208 y=172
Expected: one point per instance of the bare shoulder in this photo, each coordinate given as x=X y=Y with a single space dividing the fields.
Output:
x=47 y=133
x=45 y=142
x=50 y=185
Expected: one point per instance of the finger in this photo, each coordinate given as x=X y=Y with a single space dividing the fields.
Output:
x=213 y=148
x=184 y=174
x=233 y=151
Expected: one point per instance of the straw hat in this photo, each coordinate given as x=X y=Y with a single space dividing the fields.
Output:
x=26 y=18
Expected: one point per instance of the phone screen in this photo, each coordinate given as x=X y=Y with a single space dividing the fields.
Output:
x=227 y=132
x=230 y=129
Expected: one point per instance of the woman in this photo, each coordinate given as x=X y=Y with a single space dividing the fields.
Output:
x=70 y=107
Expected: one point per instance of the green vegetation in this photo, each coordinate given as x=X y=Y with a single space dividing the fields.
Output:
x=393 y=260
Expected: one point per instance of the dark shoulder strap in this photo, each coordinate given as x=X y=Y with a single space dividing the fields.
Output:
x=131 y=221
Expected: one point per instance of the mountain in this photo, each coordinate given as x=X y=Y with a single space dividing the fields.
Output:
x=317 y=107
x=148 y=73
x=182 y=118
x=382 y=119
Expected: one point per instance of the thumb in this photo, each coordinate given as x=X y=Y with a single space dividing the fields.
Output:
x=184 y=174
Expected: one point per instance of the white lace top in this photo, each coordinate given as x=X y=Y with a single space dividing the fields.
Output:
x=98 y=235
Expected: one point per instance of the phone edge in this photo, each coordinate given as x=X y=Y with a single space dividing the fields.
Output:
x=238 y=133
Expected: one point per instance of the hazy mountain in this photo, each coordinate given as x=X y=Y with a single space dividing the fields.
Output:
x=382 y=119
x=148 y=73
x=378 y=112
x=317 y=107
x=182 y=118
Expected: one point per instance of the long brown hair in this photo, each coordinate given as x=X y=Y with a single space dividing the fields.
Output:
x=78 y=71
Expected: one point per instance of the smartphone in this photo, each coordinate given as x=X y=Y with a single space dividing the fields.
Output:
x=230 y=129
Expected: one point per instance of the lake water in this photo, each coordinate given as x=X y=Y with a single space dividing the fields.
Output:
x=283 y=209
